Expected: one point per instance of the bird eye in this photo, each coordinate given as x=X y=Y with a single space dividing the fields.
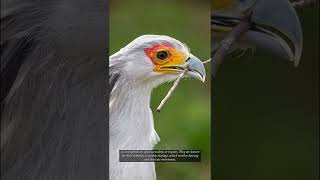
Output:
x=162 y=55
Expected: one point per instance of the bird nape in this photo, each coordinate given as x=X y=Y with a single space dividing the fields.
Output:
x=134 y=71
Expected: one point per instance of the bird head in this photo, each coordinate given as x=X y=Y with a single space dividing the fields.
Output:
x=156 y=59
x=275 y=25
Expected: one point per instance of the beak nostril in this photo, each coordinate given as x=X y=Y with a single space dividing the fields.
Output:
x=195 y=68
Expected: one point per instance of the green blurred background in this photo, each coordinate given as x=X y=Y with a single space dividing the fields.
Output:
x=266 y=113
x=185 y=121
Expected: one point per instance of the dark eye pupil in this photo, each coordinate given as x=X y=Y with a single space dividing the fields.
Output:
x=162 y=55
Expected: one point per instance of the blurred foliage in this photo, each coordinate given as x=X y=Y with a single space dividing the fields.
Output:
x=184 y=122
x=266 y=113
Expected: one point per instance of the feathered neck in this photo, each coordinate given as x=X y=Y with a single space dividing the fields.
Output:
x=131 y=121
x=131 y=128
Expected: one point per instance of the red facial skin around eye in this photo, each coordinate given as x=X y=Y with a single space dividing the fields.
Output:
x=150 y=51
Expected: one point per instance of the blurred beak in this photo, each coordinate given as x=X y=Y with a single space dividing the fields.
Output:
x=275 y=28
x=195 y=68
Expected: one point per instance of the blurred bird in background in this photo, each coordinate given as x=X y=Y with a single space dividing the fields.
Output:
x=274 y=26
x=135 y=71
x=274 y=105
x=53 y=89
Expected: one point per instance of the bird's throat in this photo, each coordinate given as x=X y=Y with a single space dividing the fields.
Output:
x=130 y=128
x=130 y=117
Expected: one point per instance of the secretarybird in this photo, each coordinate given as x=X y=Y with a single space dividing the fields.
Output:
x=134 y=71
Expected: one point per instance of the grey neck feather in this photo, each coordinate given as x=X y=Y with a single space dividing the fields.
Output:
x=131 y=128
x=131 y=121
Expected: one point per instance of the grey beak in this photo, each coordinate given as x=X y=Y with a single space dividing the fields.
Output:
x=277 y=29
x=195 y=68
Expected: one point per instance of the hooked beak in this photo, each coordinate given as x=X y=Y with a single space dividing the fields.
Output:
x=193 y=65
x=275 y=28
x=195 y=68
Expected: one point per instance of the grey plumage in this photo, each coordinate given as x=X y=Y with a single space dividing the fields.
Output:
x=53 y=90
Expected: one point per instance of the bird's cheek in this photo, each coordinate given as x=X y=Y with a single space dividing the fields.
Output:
x=171 y=64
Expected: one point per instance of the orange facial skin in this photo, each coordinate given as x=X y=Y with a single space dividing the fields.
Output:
x=174 y=58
